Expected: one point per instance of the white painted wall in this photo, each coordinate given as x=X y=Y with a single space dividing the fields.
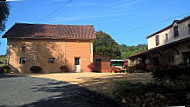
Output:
x=91 y=51
x=171 y=52
x=183 y=33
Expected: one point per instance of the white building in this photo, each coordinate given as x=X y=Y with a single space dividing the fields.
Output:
x=169 y=46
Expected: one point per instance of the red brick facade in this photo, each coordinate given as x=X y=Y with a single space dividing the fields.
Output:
x=102 y=63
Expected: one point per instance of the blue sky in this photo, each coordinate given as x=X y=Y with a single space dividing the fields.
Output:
x=127 y=21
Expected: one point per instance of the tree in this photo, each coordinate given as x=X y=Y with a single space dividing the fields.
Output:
x=4 y=13
x=105 y=45
x=131 y=50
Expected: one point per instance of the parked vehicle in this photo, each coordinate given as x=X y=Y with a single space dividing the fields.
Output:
x=117 y=63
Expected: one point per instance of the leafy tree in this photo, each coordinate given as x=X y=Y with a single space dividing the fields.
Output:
x=131 y=50
x=4 y=13
x=105 y=45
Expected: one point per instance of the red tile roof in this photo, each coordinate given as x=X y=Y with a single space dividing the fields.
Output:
x=43 y=31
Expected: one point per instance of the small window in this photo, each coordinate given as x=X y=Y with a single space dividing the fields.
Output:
x=51 y=60
x=23 y=48
x=171 y=59
x=77 y=61
x=157 y=40
x=166 y=37
x=189 y=28
x=176 y=33
x=98 y=60
x=22 y=60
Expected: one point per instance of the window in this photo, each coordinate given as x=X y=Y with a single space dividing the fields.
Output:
x=176 y=31
x=166 y=37
x=98 y=60
x=77 y=61
x=23 y=48
x=189 y=28
x=51 y=60
x=157 y=40
x=22 y=60
x=171 y=59
x=188 y=46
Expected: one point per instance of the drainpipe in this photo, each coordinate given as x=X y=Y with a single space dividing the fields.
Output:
x=8 y=52
x=91 y=51
x=65 y=52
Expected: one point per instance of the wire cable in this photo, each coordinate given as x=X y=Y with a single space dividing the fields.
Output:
x=154 y=23
x=56 y=10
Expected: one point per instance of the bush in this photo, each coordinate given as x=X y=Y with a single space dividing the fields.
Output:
x=174 y=77
x=115 y=69
x=138 y=68
x=172 y=71
x=6 y=69
x=137 y=94
x=91 y=66
x=64 y=68
x=36 y=69
x=1 y=70
x=149 y=95
x=126 y=88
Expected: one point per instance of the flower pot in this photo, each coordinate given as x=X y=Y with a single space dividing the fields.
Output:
x=90 y=70
x=5 y=70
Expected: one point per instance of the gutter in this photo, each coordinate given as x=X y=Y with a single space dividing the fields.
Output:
x=8 y=52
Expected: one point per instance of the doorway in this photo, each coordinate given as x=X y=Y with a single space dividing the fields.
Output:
x=186 y=57
x=77 y=65
x=156 y=61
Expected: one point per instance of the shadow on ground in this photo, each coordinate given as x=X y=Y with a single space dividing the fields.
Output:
x=9 y=76
x=71 y=96
x=106 y=84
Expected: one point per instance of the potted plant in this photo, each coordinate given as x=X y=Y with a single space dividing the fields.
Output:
x=119 y=70
x=125 y=65
x=113 y=69
x=64 y=68
x=36 y=69
x=6 y=68
x=91 y=67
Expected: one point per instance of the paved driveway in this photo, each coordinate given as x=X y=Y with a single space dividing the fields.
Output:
x=23 y=91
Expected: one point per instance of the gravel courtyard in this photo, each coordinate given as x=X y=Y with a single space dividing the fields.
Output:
x=100 y=82
x=24 y=91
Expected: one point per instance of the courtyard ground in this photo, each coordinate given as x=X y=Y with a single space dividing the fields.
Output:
x=26 y=91
x=100 y=82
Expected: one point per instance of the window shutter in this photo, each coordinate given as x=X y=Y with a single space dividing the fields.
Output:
x=176 y=31
x=157 y=40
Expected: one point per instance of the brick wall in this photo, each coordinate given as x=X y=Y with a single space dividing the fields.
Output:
x=38 y=51
x=104 y=65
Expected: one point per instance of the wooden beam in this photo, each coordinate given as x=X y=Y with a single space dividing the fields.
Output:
x=160 y=54
x=175 y=50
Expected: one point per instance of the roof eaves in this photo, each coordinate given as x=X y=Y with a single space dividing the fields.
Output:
x=178 y=21
x=161 y=47
x=46 y=38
